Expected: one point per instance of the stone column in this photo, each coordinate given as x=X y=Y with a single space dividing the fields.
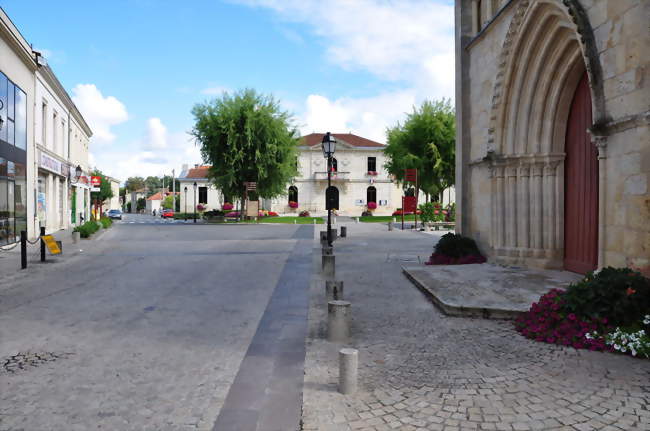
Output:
x=536 y=208
x=511 y=208
x=500 y=207
x=550 y=213
x=601 y=145
x=523 y=200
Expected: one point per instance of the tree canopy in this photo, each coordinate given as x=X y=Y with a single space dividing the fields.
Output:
x=133 y=184
x=426 y=141
x=246 y=137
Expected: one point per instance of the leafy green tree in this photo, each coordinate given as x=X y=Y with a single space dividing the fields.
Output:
x=426 y=142
x=105 y=191
x=133 y=184
x=168 y=202
x=153 y=185
x=247 y=137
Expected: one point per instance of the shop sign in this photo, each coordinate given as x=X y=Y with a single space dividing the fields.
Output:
x=95 y=183
x=52 y=165
x=52 y=244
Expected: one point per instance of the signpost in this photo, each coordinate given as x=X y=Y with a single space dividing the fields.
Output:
x=252 y=210
x=411 y=175
x=95 y=184
x=52 y=244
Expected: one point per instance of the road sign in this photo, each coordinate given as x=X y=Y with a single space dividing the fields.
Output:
x=411 y=175
x=51 y=244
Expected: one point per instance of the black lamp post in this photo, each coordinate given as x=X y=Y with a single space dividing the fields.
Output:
x=329 y=147
x=185 y=203
x=194 y=201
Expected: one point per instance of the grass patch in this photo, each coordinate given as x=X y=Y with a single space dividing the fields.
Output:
x=386 y=219
x=287 y=220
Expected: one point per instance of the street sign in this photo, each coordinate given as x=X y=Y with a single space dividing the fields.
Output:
x=411 y=175
x=51 y=244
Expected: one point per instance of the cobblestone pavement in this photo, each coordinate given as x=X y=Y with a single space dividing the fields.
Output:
x=421 y=370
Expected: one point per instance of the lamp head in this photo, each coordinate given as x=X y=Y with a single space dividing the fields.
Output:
x=328 y=145
x=194 y=185
x=78 y=171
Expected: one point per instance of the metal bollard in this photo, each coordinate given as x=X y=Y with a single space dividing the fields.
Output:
x=75 y=237
x=344 y=231
x=329 y=266
x=42 y=244
x=327 y=250
x=390 y=227
x=348 y=366
x=334 y=290
x=23 y=249
x=338 y=321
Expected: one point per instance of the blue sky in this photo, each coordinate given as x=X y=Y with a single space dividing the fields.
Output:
x=135 y=68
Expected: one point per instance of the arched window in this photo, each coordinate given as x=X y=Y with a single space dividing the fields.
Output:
x=335 y=165
x=293 y=194
x=371 y=194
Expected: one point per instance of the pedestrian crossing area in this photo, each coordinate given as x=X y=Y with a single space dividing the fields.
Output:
x=151 y=222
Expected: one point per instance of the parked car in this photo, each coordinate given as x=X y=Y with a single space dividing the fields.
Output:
x=167 y=213
x=115 y=214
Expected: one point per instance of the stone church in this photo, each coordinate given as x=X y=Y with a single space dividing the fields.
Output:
x=553 y=141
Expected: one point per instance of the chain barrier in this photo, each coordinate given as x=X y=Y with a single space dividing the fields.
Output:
x=7 y=248
x=36 y=241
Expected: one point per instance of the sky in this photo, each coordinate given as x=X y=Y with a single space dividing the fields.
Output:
x=135 y=68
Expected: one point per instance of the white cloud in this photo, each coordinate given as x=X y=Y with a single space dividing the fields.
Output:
x=160 y=152
x=216 y=90
x=367 y=117
x=409 y=43
x=406 y=40
x=100 y=112
x=156 y=135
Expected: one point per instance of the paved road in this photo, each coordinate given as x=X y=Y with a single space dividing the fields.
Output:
x=149 y=327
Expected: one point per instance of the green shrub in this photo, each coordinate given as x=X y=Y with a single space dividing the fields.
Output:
x=87 y=229
x=106 y=222
x=456 y=246
x=189 y=216
x=620 y=295
x=214 y=213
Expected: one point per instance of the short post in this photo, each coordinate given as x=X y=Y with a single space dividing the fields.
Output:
x=314 y=221
x=42 y=244
x=75 y=237
x=394 y=219
x=329 y=263
x=356 y=219
x=390 y=226
x=348 y=365
x=344 y=231
x=334 y=290
x=294 y=221
x=23 y=249
x=338 y=321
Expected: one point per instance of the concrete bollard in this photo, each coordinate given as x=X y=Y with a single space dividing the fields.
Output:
x=394 y=220
x=75 y=237
x=334 y=290
x=348 y=366
x=344 y=232
x=329 y=266
x=356 y=219
x=338 y=321
x=390 y=227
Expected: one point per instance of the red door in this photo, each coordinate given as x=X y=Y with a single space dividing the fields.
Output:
x=580 y=186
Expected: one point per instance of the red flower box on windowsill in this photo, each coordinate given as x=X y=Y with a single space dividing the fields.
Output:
x=293 y=204
x=373 y=173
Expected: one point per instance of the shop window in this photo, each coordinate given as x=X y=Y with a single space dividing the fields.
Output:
x=203 y=195
x=3 y=107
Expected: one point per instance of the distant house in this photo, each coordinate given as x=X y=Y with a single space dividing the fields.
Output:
x=205 y=193
x=155 y=201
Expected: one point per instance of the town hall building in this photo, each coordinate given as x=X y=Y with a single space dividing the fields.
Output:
x=553 y=131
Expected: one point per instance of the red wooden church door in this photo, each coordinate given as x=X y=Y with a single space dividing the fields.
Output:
x=580 y=186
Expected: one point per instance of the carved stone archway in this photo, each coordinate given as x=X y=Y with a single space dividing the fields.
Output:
x=548 y=47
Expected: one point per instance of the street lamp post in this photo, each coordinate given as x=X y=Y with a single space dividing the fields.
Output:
x=194 y=201
x=329 y=147
x=185 y=203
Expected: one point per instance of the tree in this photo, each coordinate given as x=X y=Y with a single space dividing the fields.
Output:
x=133 y=184
x=153 y=185
x=105 y=191
x=168 y=202
x=247 y=137
x=426 y=141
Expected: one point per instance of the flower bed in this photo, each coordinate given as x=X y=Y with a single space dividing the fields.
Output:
x=398 y=212
x=232 y=214
x=607 y=311
x=304 y=214
x=455 y=249
x=227 y=206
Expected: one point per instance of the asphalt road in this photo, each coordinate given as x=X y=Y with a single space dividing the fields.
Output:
x=151 y=325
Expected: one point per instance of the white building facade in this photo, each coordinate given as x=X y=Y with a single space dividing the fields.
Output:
x=204 y=193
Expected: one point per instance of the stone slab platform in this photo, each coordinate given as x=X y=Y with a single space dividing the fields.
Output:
x=485 y=290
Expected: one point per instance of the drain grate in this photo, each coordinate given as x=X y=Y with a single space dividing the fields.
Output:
x=26 y=360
